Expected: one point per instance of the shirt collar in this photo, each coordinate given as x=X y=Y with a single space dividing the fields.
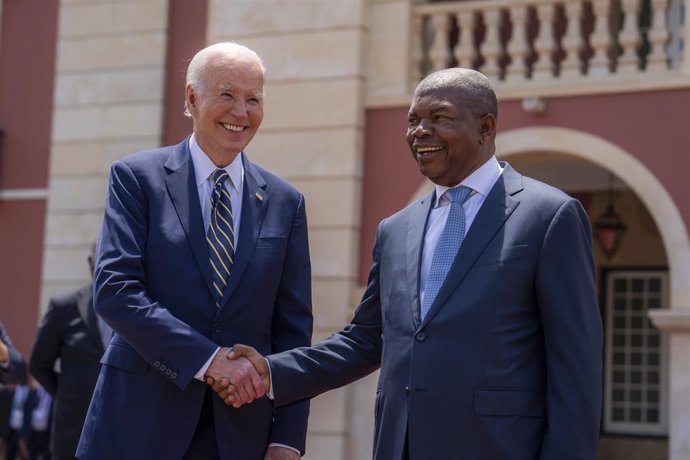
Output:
x=480 y=181
x=204 y=167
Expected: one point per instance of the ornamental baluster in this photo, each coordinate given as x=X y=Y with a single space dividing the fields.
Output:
x=518 y=45
x=629 y=38
x=573 y=41
x=465 y=51
x=600 y=39
x=417 y=55
x=658 y=37
x=491 y=47
x=544 y=43
x=439 y=53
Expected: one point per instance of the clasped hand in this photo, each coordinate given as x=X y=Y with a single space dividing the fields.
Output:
x=239 y=375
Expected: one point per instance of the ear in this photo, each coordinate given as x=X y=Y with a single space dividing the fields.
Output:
x=487 y=127
x=190 y=97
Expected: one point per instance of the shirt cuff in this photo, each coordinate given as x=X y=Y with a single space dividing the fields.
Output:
x=200 y=375
x=269 y=394
x=277 y=444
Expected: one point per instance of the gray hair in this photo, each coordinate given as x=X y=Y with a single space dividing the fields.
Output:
x=218 y=53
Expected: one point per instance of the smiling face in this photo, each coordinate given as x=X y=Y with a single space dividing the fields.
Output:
x=227 y=105
x=449 y=136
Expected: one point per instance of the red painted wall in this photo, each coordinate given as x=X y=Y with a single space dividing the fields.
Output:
x=652 y=126
x=186 y=36
x=27 y=68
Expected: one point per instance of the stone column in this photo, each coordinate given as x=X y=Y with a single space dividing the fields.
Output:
x=676 y=324
x=312 y=136
x=108 y=103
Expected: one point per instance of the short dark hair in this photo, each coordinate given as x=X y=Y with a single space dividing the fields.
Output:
x=473 y=87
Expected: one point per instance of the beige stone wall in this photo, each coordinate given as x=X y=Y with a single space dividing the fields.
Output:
x=108 y=103
x=314 y=51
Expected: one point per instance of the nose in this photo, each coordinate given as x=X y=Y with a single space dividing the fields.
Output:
x=239 y=109
x=422 y=129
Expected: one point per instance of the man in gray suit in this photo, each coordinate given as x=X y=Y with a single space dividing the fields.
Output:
x=480 y=307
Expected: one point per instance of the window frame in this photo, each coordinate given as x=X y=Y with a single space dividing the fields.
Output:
x=628 y=428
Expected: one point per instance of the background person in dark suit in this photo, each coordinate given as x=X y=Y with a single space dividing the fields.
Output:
x=480 y=306
x=12 y=365
x=72 y=334
x=199 y=249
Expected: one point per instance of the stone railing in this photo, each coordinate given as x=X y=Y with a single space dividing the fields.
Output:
x=523 y=44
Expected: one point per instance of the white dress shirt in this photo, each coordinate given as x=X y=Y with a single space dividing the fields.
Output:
x=481 y=182
x=203 y=169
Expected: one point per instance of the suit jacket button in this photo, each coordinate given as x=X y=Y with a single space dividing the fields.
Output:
x=421 y=337
x=168 y=372
x=162 y=367
x=156 y=363
x=216 y=328
x=407 y=390
x=173 y=375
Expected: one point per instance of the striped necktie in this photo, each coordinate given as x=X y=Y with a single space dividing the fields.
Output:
x=447 y=247
x=221 y=235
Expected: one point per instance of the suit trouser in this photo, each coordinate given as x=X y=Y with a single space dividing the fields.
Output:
x=204 y=445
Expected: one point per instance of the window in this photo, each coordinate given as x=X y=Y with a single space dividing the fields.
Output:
x=636 y=372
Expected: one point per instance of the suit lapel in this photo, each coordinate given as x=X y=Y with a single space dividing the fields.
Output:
x=497 y=207
x=181 y=184
x=415 y=239
x=88 y=315
x=253 y=212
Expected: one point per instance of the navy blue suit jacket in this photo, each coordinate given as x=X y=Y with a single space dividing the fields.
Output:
x=152 y=285
x=68 y=333
x=507 y=363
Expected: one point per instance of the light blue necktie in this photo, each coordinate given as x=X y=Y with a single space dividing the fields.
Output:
x=447 y=246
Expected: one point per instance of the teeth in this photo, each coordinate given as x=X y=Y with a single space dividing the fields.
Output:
x=232 y=127
x=428 y=149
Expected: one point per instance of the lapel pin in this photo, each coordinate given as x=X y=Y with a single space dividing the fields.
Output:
x=259 y=197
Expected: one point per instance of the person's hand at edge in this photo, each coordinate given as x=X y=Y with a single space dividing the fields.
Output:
x=281 y=453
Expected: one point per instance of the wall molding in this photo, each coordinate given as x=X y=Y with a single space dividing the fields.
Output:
x=17 y=194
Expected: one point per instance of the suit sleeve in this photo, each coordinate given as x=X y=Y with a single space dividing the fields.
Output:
x=292 y=326
x=15 y=372
x=573 y=336
x=344 y=357
x=120 y=294
x=47 y=349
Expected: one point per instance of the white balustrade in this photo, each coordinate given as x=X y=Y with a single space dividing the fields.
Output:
x=554 y=40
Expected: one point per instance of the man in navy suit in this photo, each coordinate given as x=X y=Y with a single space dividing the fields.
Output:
x=497 y=356
x=72 y=334
x=199 y=249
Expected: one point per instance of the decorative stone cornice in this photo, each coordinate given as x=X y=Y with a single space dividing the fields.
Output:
x=672 y=321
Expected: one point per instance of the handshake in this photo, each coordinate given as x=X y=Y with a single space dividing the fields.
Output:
x=239 y=375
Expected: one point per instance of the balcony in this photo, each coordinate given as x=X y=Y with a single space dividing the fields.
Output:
x=550 y=47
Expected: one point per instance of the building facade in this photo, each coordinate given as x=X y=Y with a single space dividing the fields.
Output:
x=595 y=96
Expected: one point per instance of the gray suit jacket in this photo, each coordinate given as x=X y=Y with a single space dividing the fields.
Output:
x=507 y=363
